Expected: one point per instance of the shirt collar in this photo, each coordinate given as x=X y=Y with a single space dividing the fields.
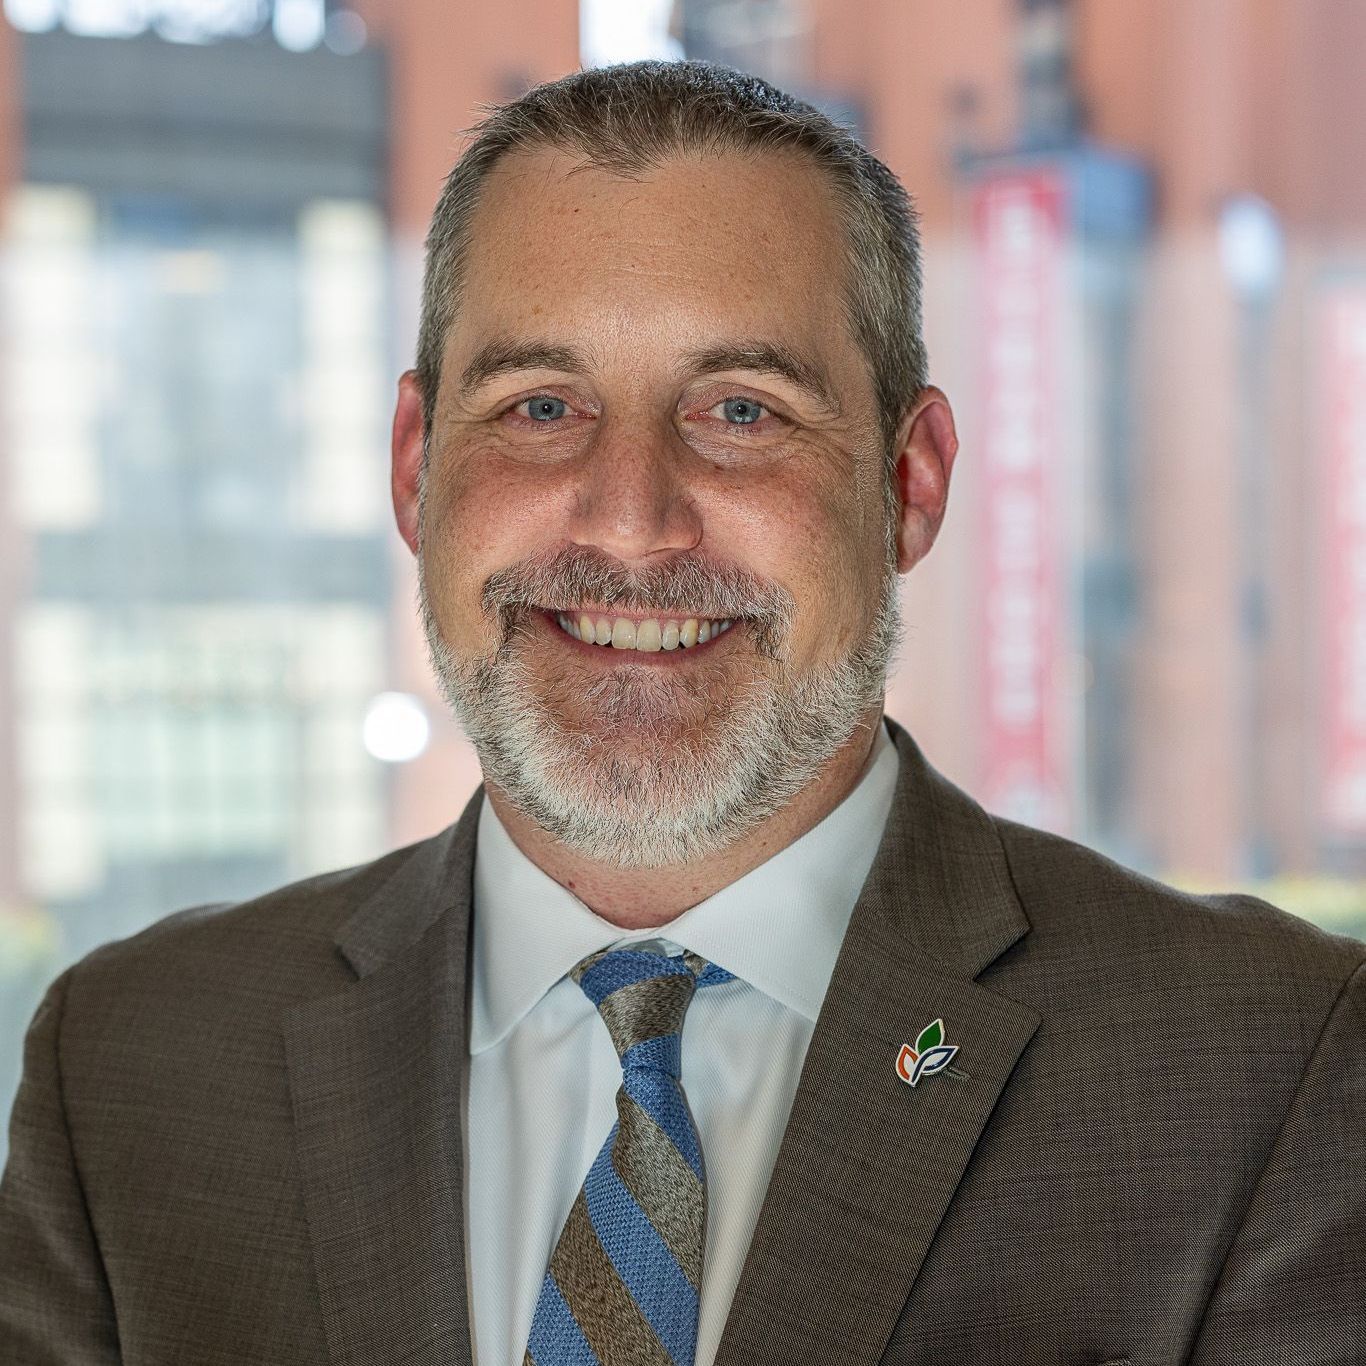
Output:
x=779 y=927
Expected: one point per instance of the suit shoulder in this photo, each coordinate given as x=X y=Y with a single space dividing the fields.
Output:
x=1073 y=892
x=283 y=937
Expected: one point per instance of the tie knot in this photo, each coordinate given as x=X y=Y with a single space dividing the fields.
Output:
x=642 y=997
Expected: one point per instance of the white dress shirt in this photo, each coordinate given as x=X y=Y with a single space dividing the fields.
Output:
x=543 y=1075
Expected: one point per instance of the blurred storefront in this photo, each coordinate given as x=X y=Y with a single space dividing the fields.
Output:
x=1145 y=259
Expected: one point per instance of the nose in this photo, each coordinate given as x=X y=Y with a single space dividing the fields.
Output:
x=632 y=500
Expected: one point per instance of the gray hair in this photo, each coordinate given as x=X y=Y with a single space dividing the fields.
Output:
x=626 y=120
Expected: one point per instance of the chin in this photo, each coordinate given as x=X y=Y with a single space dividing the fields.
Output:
x=633 y=708
x=626 y=803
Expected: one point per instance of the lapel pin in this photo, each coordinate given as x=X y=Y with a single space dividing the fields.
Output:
x=930 y=1055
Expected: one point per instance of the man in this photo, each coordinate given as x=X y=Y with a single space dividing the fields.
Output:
x=950 y=1090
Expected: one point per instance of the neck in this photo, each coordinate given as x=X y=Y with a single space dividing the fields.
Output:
x=641 y=898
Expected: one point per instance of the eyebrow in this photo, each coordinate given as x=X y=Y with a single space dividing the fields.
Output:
x=503 y=356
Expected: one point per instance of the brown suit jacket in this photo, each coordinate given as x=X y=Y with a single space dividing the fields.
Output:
x=238 y=1135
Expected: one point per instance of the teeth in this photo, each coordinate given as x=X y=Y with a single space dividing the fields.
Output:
x=648 y=636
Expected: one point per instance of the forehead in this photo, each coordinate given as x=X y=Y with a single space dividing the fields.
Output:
x=714 y=245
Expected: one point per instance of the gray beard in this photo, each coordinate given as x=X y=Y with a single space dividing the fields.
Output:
x=670 y=802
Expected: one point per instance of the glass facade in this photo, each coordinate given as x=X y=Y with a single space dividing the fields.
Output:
x=205 y=621
x=195 y=402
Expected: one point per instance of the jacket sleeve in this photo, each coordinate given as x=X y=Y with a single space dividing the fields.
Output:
x=1293 y=1287
x=55 y=1304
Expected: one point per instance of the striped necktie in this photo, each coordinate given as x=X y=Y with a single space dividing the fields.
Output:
x=623 y=1281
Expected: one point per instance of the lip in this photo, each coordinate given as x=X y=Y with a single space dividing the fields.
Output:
x=612 y=613
x=544 y=622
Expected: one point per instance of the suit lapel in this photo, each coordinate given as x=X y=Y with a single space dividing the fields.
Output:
x=868 y=1165
x=375 y=1075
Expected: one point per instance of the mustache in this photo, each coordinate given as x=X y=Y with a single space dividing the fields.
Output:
x=687 y=585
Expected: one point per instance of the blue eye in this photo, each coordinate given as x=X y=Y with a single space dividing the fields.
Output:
x=544 y=408
x=741 y=411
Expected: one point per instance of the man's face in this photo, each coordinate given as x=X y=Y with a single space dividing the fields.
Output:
x=652 y=420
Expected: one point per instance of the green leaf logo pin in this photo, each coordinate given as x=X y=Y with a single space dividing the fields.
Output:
x=930 y=1054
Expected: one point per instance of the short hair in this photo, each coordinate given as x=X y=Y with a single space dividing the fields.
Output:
x=629 y=118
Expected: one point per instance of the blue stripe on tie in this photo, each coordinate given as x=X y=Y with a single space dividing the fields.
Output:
x=713 y=976
x=646 y=1266
x=659 y=1096
x=621 y=967
x=556 y=1338
x=664 y=1052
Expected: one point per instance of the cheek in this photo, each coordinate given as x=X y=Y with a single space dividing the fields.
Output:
x=481 y=516
x=809 y=537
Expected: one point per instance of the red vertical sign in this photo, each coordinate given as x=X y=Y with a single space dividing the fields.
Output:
x=1342 y=369
x=1019 y=229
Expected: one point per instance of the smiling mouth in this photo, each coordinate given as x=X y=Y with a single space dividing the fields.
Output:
x=647 y=635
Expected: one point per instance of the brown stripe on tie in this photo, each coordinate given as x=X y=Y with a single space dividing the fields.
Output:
x=662 y=1184
x=647 y=1009
x=608 y=1317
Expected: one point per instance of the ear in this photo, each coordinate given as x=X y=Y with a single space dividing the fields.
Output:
x=926 y=445
x=406 y=449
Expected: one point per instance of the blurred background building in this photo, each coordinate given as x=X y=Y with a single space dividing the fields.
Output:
x=1145 y=254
